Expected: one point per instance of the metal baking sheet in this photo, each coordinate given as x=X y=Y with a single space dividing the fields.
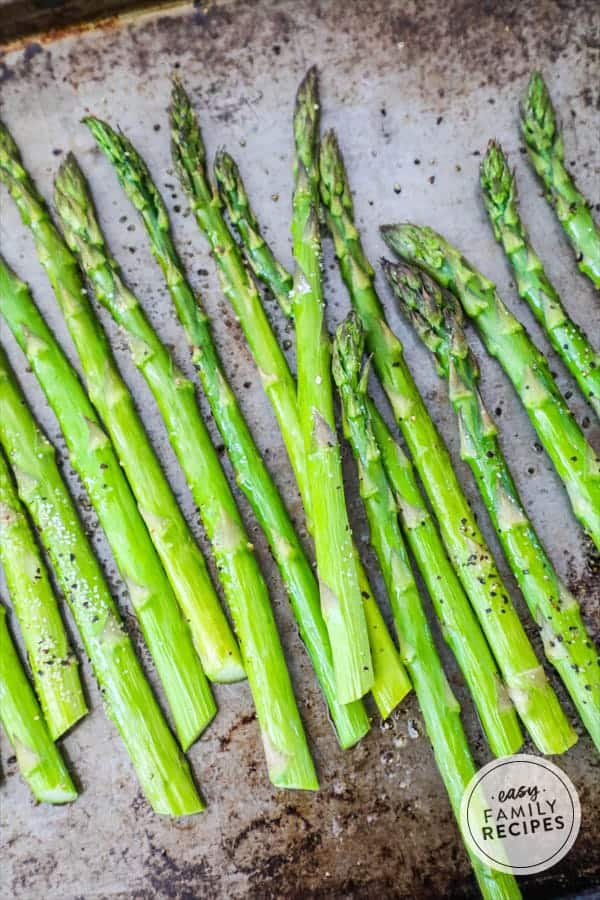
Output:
x=415 y=90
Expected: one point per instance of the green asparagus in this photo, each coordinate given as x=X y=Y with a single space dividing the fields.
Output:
x=288 y=757
x=437 y=317
x=546 y=151
x=95 y=461
x=180 y=555
x=174 y=394
x=500 y=195
x=53 y=664
x=505 y=338
x=38 y=757
x=440 y=708
x=460 y=626
x=390 y=681
x=258 y=253
x=524 y=676
x=159 y=764
x=338 y=578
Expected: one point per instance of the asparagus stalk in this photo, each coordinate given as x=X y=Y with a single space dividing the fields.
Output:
x=174 y=394
x=340 y=592
x=390 y=680
x=180 y=555
x=38 y=757
x=93 y=458
x=437 y=318
x=544 y=142
x=288 y=757
x=440 y=708
x=526 y=681
x=505 y=338
x=499 y=188
x=258 y=253
x=161 y=768
x=53 y=664
x=459 y=623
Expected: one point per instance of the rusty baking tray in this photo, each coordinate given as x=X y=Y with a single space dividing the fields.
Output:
x=415 y=90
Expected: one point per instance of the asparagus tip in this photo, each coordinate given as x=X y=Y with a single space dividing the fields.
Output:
x=401 y=238
x=348 y=350
x=306 y=115
x=538 y=121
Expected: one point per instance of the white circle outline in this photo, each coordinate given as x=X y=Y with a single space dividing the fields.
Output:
x=559 y=853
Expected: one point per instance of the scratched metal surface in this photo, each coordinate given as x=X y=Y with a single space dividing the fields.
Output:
x=415 y=95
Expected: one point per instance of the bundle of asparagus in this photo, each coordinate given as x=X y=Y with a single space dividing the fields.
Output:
x=459 y=624
x=288 y=758
x=339 y=621
x=180 y=555
x=441 y=710
x=500 y=194
x=161 y=768
x=237 y=565
x=390 y=683
x=93 y=458
x=504 y=336
x=525 y=678
x=436 y=316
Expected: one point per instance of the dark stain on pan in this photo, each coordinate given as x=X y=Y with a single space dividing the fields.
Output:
x=225 y=739
x=583 y=580
x=169 y=877
x=471 y=30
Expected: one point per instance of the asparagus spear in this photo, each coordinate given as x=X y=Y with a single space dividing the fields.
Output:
x=38 y=757
x=505 y=338
x=459 y=623
x=437 y=317
x=390 y=680
x=53 y=664
x=440 y=708
x=288 y=757
x=258 y=253
x=96 y=463
x=340 y=593
x=180 y=555
x=236 y=562
x=546 y=151
x=159 y=764
x=524 y=676
x=500 y=195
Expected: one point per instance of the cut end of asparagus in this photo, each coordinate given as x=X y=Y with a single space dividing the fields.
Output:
x=187 y=146
x=538 y=120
